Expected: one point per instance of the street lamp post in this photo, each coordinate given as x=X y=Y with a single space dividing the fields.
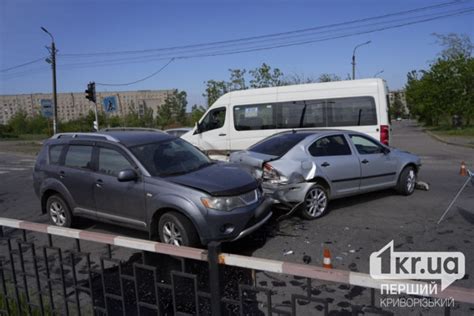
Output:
x=378 y=73
x=354 y=58
x=53 y=66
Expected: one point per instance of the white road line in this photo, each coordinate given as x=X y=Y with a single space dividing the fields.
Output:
x=3 y=172
x=12 y=169
x=28 y=160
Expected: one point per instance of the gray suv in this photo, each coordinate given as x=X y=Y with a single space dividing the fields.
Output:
x=150 y=181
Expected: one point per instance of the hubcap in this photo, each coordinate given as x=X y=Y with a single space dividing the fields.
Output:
x=411 y=181
x=58 y=214
x=172 y=234
x=316 y=202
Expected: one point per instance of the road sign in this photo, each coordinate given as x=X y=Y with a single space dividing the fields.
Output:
x=46 y=108
x=110 y=104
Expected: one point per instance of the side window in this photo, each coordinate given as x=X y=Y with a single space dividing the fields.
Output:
x=330 y=146
x=111 y=162
x=55 y=154
x=358 y=111
x=254 y=117
x=366 y=146
x=78 y=156
x=214 y=119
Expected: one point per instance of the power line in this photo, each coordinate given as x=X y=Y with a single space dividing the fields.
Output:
x=274 y=42
x=23 y=65
x=425 y=18
x=260 y=37
x=139 y=80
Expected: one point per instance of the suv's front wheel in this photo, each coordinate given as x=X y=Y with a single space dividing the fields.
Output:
x=58 y=211
x=175 y=229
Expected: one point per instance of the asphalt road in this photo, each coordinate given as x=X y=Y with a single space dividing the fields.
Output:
x=353 y=229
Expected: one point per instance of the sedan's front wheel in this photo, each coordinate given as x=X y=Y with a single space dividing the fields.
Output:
x=407 y=181
x=316 y=202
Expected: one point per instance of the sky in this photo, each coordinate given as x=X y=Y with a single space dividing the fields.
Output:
x=84 y=26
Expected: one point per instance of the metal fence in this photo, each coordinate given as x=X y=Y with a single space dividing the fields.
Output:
x=48 y=270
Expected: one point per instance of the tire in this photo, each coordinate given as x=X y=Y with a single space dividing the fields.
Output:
x=315 y=203
x=175 y=229
x=407 y=181
x=59 y=211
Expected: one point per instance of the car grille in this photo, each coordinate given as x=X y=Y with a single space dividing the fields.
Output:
x=250 y=197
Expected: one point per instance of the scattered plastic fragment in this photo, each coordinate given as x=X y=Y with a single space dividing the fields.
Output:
x=289 y=252
x=420 y=185
x=338 y=258
x=352 y=251
x=306 y=259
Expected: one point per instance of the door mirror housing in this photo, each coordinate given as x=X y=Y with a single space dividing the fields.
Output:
x=127 y=175
x=198 y=128
x=386 y=150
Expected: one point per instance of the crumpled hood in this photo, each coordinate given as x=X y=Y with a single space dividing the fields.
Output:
x=218 y=179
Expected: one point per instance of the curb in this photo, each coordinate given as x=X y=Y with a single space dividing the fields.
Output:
x=440 y=139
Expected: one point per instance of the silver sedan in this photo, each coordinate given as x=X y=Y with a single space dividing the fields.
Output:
x=307 y=168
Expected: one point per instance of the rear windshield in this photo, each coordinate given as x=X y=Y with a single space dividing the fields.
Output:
x=278 y=145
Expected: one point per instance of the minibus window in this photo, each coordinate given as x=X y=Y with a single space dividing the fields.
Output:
x=213 y=120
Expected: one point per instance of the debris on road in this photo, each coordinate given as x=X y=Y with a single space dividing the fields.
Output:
x=306 y=259
x=420 y=185
x=289 y=252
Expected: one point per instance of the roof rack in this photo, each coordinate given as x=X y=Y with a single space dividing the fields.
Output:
x=85 y=135
x=130 y=129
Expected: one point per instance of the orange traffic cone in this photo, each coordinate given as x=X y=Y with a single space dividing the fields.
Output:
x=463 y=170
x=327 y=259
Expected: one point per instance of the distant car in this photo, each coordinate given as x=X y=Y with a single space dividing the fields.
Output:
x=399 y=119
x=147 y=180
x=178 y=131
x=327 y=164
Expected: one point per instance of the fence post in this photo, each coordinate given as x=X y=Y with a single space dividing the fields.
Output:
x=214 y=248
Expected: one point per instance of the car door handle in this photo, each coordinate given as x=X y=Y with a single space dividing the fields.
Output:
x=325 y=164
x=99 y=183
x=61 y=174
x=222 y=134
x=365 y=161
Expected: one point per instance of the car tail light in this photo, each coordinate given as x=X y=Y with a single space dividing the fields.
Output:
x=269 y=173
x=384 y=134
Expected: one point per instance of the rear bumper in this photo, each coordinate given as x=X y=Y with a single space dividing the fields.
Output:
x=286 y=193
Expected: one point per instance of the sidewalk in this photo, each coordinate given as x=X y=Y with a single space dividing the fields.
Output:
x=463 y=141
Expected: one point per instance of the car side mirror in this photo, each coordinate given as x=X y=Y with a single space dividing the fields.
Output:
x=127 y=175
x=386 y=151
x=198 y=128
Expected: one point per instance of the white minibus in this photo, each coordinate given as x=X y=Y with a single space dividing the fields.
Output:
x=239 y=119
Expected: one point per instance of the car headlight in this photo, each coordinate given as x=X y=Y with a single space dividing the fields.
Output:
x=228 y=203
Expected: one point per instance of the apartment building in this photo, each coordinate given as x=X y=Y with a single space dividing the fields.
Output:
x=73 y=105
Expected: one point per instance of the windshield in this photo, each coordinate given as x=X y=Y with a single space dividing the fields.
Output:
x=278 y=145
x=170 y=157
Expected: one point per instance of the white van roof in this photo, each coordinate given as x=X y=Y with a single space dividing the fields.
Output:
x=301 y=91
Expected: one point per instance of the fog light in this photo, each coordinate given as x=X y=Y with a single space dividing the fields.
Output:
x=227 y=228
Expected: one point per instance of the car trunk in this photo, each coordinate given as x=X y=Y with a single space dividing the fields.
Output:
x=251 y=161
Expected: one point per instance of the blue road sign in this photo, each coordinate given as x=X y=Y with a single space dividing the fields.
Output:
x=110 y=104
x=46 y=107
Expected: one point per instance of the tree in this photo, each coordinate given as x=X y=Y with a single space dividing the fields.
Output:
x=326 y=77
x=19 y=122
x=397 y=108
x=237 y=79
x=197 y=111
x=446 y=88
x=214 y=90
x=173 y=111
x=454 y=45
x=264 y=77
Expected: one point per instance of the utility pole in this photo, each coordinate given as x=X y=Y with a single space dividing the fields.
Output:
x=52 y=60
x=354 y=58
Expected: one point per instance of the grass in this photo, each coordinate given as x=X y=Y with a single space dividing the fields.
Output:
x=21 y=308
x=467 y=131
x=14 y=137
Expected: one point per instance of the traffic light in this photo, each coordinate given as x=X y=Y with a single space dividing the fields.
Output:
x=90 y=92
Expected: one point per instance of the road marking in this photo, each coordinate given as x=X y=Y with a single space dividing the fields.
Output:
x=12 y=169
x=3 y=172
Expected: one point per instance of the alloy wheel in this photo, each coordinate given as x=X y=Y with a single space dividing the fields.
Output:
x=316 y=202
x=171 y=234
